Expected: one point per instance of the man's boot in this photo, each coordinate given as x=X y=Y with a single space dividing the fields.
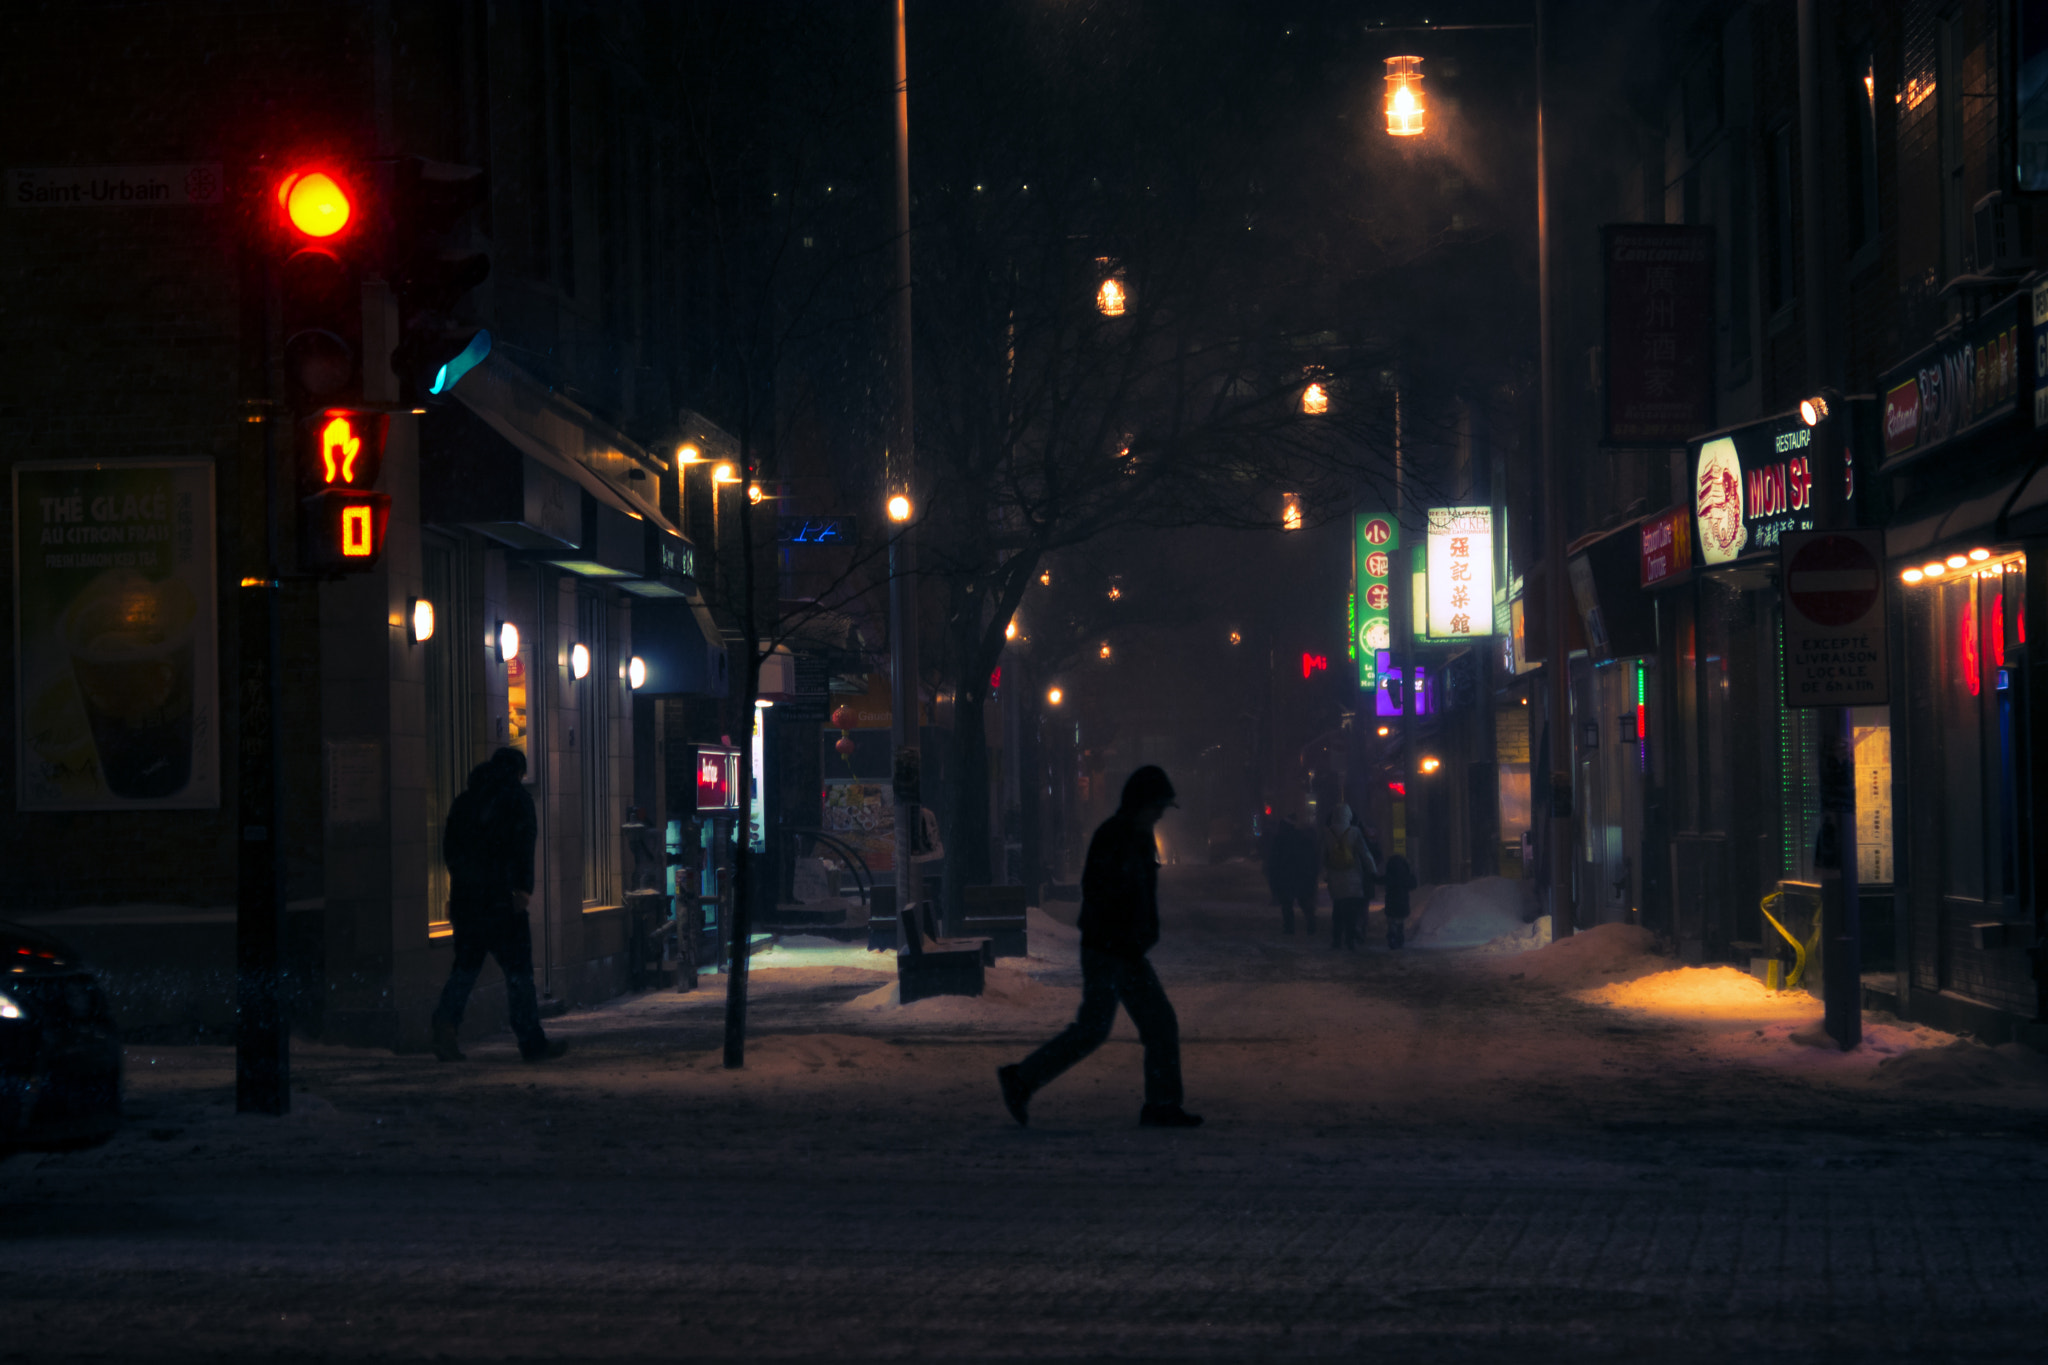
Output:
x=549 y=1049
x=1167 y=1116
x=445 y=1048
x=1016 y=1094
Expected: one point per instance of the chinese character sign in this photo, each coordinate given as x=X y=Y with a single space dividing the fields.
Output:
x=1374 y=537
x=1660 y=332
x=1460 y=572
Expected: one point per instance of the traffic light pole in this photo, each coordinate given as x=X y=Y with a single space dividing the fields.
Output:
x=262 y=1035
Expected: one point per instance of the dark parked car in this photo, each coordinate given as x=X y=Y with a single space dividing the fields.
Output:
x=60 y=1061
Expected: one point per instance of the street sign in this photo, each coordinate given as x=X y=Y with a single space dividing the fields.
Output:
x=1374 y=537
x=187 y=184
x=1834 y=618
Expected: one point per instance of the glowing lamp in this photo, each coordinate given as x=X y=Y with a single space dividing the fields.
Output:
x=1045 y=578
x=1054 y=696
x=1290 y=512
x=1237 y=637
x=1110 y=298
x=636 y=672
x=1104 y=652
x=1430 y=765
x=1957 y=561
x=420 y=620
x=1813 y=411
x=1912 y=576
x=1980 y=555
x=579 y=661
x=762 y=703
x=899 y=508
x=315 y=203
x=1010 y=629
x=1383 y=732
x=724 y=473
x=689 y=454
x=1315 y=399
x=1404 y=96
x=1935 y=569
x=508 y=641
x=754 y=494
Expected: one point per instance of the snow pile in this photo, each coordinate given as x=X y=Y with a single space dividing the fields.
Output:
x=808 y=950
x=1051 y=943
x=1522 y=938
x=1704 y=993
x=1468 y=914
x=1967 y=1065
x=1592 y=957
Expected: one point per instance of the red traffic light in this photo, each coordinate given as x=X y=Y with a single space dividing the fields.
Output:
x=315 y=202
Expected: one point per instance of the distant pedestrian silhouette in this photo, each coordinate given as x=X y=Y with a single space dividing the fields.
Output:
x=487 y=842
x=1119 y=925
x=1291 y=870
x=1348 y=866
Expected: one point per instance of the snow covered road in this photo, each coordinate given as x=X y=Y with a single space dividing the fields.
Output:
x=1576 y=1153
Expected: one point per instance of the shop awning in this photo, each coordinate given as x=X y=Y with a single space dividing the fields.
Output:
x=1942 y=517
x=681 y=646
x=1605 y=573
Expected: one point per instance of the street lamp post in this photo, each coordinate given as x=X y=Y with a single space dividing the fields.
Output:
x=901 y=480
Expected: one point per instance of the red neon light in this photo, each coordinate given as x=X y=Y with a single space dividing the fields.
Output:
x=1967 y=643
x=1398 y=788
x=1998 y=630
x=1314 y=663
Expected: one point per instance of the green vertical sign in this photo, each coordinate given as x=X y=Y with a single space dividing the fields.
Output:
x=1375 y=537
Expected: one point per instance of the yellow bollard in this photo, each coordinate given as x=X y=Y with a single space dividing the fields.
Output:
x=1774 y=975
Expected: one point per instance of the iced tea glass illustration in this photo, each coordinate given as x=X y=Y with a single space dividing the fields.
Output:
x=131 y=651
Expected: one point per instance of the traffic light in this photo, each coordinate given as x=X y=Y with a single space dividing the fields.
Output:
x=326 y=227
x=431 y=269
x=340 y=452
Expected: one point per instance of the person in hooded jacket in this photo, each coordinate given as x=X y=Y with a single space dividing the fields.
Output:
x=1291 y=868
x=1348 y=866
x=1119 y=924
x=487 y=842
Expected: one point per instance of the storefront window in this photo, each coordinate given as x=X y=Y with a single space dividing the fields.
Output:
x=448 y=660
x=1872 y=731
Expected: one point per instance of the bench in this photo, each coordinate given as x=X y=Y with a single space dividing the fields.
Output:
x=946 y=966
x=997 y=914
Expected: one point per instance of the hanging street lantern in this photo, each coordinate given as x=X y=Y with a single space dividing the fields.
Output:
x=1315 y=399
x=1110 y=295
x=1404 y=96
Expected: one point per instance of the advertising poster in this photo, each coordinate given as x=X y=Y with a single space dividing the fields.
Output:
x=116 y=640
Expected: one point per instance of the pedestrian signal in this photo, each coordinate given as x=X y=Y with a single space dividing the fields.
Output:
x=343 y=530
x=341 y=448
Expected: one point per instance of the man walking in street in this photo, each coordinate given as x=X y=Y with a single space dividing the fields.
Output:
x=1119 y=924
x=1347 y=864
x=1291 y=870
x=488 y=845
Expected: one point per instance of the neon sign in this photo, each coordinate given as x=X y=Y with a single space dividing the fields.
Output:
x=339 y=446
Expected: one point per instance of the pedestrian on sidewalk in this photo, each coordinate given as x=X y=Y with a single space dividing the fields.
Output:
x=487 y=842
x=1400 y=881
x=1346 y=865
x=1291 y=870
x=1119 y=924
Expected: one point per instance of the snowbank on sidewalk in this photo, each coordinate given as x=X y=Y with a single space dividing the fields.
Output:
x=1966 y=1065
x=1468 y=914
x=1592 y=957
x=1722 y=994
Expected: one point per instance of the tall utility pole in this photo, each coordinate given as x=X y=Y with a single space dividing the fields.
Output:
x=901 y=481
x=1558 y=665
x=1835 y=860
x=1406 y=628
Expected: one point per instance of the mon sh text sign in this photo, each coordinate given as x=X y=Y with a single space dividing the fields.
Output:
x=1833 y=584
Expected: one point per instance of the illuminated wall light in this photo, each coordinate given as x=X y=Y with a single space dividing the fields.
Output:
x=724 y=473
x=1384 y=732
x=1315 y=399
x=1104 y=652
x=420 y=618
x=1430 y=765
x=689 y=454
x=579 y=661
x=1912 y=576
x=507 y=641
x=1813 y=411
x=899 y=508
x=1054 y=696
x=1405 y=114
x=1980 y=555
x=1290 y=512
x=1010 y=630
x=762 y=703
x=1110 y=298
x=1957 y=561
x=754 y=493
x=1236 y=637
x=636 y=672
x=1045 y=578
x=1935 y=569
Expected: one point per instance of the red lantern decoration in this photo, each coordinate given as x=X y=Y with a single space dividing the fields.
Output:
x=844 y=748
x=842 y=718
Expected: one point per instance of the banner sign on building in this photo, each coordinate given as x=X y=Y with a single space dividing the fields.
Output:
x=1460 y=572
x=116 y=642
x=1751 y=485
x=1834 y=621
x=1666 y=548
x=1660 y=332
x=1960 y=385
x=1374 y=539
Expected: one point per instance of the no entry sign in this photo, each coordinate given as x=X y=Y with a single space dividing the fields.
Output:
x=1834 y=610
